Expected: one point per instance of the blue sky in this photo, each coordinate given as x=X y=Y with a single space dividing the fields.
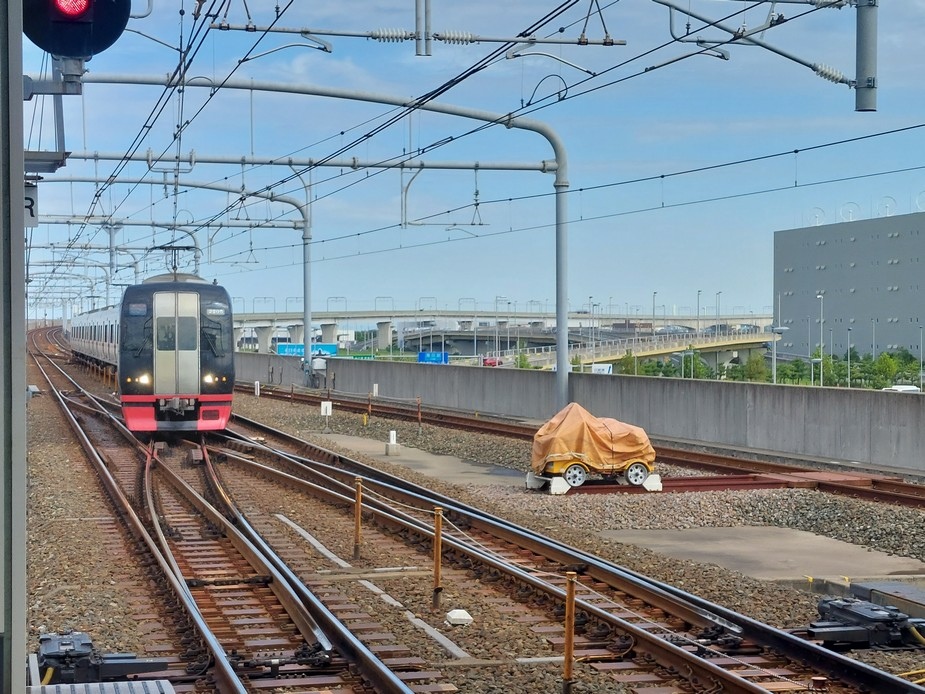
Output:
x=678 y=176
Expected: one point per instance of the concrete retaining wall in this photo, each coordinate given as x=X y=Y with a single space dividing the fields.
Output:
x=267 y=368
x=830 y=423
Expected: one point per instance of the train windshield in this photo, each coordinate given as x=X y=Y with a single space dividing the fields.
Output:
x=215 y=328
x=176 y=333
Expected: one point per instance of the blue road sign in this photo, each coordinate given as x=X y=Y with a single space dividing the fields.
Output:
x=433 y=357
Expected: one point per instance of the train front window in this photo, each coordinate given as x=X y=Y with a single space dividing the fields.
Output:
x=187 y=333
x=166 y=333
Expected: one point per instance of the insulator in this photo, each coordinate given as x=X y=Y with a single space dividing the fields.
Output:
x=461 y=37
x=837 y=4
x=391 y=35
x=829 y=73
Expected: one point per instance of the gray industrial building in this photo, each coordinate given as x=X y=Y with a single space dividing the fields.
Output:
x=859 y=282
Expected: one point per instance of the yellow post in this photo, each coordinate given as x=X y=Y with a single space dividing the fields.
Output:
x=357 y=515
x=438 y=531
x=569 y=650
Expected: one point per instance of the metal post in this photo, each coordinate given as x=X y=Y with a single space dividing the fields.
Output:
x=849 y=357
x=591 y=329
x=569 y=646
x=438 y=551
x=865 y=98
x=497 y=335
x=821 y=337
x=357 y=515
x=508 y=345
x=12 y=356
x=698 y=311
x=774 y=359
x=653 y=313
x=873 y=338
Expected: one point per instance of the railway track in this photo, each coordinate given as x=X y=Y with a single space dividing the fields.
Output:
x=732 y=472
x=614 y=648
x=633 y=629
x=229 y=617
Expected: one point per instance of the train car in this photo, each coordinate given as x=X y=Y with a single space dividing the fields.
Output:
x=171 y=341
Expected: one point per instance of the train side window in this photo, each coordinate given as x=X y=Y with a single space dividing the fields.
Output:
x=187 y=333
x=166 y=337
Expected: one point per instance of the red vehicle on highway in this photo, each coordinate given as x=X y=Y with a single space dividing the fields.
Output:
x=492 y=361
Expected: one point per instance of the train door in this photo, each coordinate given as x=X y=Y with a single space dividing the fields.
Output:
x=176 y=343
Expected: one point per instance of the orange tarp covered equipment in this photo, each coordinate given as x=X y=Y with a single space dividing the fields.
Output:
x=605 y=445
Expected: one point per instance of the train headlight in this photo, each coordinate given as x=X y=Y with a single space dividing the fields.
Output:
x=144 y=379
x=209 y=378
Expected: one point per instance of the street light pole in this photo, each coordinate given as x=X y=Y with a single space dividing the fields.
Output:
x=873 y=338
x=777 y=330
x=718 y=329
x=920 y=357
x=508 y=345
x=497 y=336
x=849 y=356
x=653 y=313
x=698 y=311
x=591 y=329
x=821 y=337
x=774 y=358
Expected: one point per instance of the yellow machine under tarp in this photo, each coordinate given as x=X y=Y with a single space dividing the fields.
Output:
x=575 y=444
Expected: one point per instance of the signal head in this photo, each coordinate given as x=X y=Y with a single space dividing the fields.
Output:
x=75 y=28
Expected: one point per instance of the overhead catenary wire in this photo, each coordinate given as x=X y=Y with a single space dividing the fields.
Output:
x=417 y=103
x=519 y=112
x=484 y=202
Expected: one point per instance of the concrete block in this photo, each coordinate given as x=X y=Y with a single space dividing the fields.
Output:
x=393 y=449
x=558 y=485
x=458 y=618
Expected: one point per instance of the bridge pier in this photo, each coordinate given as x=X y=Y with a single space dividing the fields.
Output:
x=264 y=338
x=383 y=334
x=296 y=334
x=329 y=333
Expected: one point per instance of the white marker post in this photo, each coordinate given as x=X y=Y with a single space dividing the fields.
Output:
x=392 y=447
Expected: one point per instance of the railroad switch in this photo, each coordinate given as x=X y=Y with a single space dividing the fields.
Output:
x=853 y=623
x=70 y=658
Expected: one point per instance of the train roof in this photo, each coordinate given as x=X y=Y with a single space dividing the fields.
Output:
x=175 y=277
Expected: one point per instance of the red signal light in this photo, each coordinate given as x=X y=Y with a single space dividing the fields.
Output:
x=75 y=28
x=72 y=8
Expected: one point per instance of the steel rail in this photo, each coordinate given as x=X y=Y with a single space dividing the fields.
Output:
x=223 y=670
x=834 y=664
x=664 y=652
x=369 y=665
